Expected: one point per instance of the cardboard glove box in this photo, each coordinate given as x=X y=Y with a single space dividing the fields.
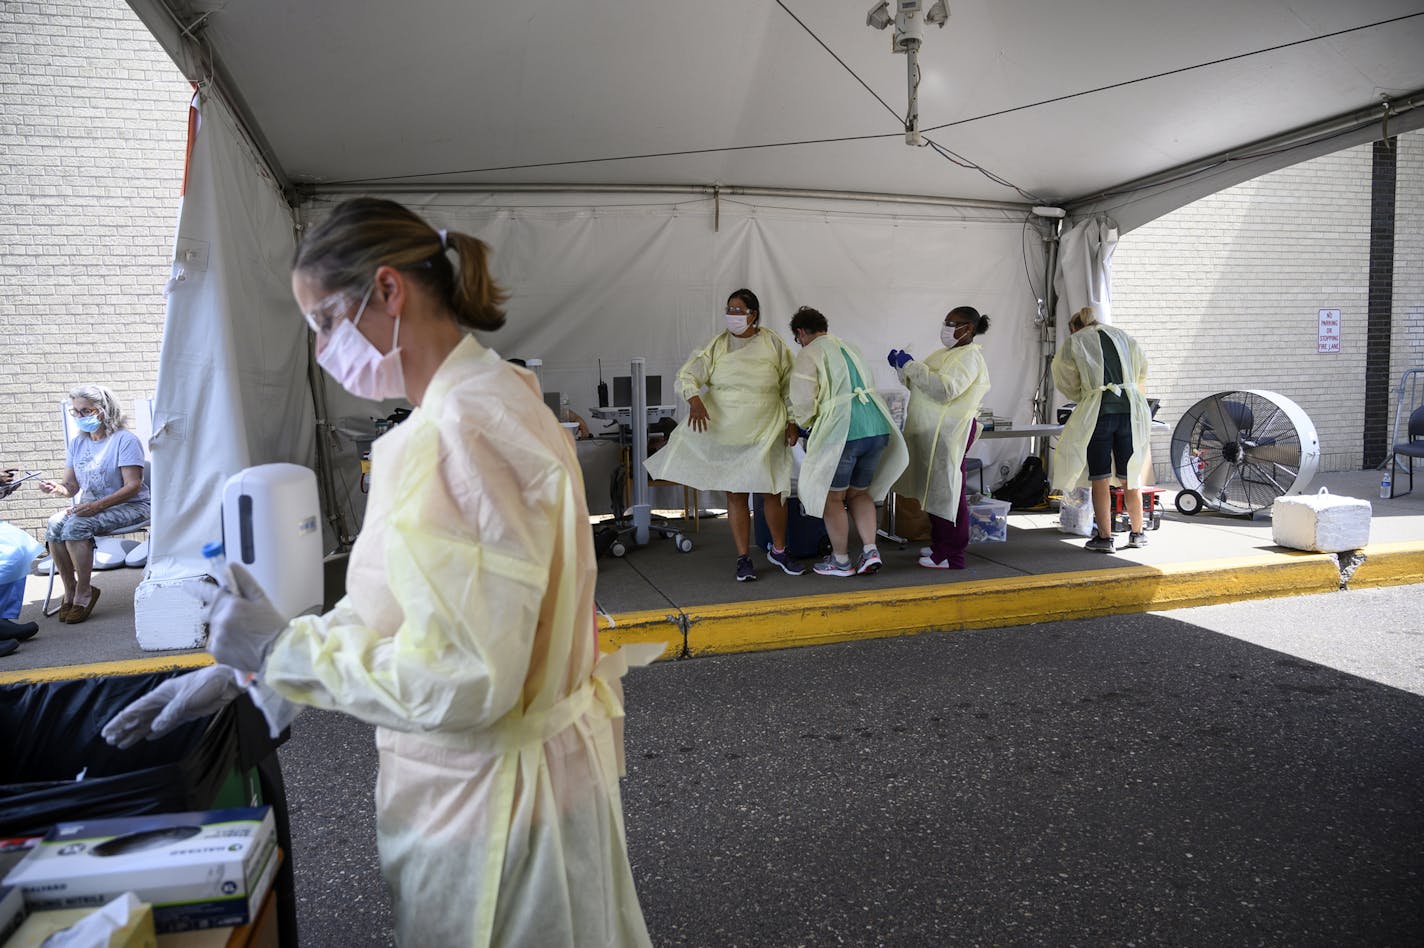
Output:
x=197 y=870
x=1320 y=523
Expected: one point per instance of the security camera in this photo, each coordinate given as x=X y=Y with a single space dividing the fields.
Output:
x=938 y=14
x=879 y=15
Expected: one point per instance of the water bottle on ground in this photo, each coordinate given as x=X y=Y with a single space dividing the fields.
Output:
x=1385 y=484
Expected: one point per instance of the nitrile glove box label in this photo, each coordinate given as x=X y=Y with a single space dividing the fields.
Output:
x=197 y=870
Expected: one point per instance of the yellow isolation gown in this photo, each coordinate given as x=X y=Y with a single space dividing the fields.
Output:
x=743 y=449
x=467 y=637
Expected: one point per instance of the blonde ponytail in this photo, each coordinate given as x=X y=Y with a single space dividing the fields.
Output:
x=475 y=297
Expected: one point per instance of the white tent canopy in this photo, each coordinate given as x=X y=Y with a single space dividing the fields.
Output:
x=632 y=163
x=1066 y=101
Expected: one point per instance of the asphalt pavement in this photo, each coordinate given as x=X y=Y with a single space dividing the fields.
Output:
x=1248 y=773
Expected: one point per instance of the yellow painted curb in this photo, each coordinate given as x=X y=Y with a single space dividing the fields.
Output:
x=132 y=666
x=989 y=603
x=654 y=625
x=1390 y=564
x=812 y=620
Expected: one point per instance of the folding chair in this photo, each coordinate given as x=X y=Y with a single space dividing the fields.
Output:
x=1409 y=408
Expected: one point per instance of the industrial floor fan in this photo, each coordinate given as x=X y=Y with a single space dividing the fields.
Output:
x=1236 y=452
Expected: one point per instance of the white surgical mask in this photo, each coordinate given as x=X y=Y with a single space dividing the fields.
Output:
x=949 y=336
x=358 y=365
x=737 y=322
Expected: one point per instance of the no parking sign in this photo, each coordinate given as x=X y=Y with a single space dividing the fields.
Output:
x=1329 y=338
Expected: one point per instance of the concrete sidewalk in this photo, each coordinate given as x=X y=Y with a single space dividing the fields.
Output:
x=691 y=602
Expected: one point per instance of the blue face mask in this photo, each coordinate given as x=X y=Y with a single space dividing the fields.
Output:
x=88 y=423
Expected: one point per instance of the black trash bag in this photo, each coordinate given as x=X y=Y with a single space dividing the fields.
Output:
x=50 y=733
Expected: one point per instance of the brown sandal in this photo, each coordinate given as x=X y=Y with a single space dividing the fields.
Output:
x=78 y=614
x=65 y=608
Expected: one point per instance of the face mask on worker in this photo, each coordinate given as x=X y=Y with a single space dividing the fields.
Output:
x=737 y=323
x=88 y=423
x=949 y=336
x=355 y=362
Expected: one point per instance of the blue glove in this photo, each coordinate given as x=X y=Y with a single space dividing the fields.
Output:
x=894 y=354
x=899 y=357
x=804 y=432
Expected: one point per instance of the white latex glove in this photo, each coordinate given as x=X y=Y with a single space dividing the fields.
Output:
x=242 y=622
x=176 y=701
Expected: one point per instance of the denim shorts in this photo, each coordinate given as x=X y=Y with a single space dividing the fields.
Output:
x=105 y=522
x=858 y=461
x=1111 y=442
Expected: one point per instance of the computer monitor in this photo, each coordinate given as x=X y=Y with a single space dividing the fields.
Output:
x=623 y=390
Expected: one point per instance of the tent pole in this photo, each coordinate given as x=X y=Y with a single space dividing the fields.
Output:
x=1047 y=335
x=710 y=190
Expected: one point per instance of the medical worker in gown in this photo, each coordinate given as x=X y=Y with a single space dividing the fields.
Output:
x=1104 y=371
x=467 y=631
x=946 y=390
x=737 y=437
x=854 y=451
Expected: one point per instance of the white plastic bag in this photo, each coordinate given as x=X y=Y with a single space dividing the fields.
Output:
x=1075 y=512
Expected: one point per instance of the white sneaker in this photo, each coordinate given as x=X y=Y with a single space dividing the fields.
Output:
x=926 y=551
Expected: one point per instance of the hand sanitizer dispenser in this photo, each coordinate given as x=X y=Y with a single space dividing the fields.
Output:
x=272 y=525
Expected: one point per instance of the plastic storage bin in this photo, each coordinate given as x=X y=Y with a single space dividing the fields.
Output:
x=989 y=521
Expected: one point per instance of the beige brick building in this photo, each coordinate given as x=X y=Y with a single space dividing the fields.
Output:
x=93 y=120
x=93 y=125
x=1226 y=292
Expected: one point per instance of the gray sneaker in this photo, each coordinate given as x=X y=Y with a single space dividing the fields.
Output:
x=1137 y=540
x=869 y=563
x=829 y=567
x=789 y=564
x=1100 y=545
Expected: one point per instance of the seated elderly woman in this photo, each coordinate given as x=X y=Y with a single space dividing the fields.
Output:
x=105 y=477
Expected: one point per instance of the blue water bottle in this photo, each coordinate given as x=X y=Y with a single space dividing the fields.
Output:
x=217 y=563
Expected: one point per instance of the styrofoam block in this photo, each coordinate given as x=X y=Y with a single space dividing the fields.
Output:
x=1321 y=523
x=169 y=613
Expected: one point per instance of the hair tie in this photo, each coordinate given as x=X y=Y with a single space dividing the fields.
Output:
x=444 y=244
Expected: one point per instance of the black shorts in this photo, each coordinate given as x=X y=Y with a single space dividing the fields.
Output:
x=1111 y=442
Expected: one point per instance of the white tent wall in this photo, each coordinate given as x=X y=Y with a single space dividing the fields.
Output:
x=1083 y=274
x=650 y=277
x=231 y=376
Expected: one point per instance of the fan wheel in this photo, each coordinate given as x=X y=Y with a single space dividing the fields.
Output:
x=1241 y=450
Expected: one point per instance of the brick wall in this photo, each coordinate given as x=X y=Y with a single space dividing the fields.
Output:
x=93 y=124
x=1225 y=293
